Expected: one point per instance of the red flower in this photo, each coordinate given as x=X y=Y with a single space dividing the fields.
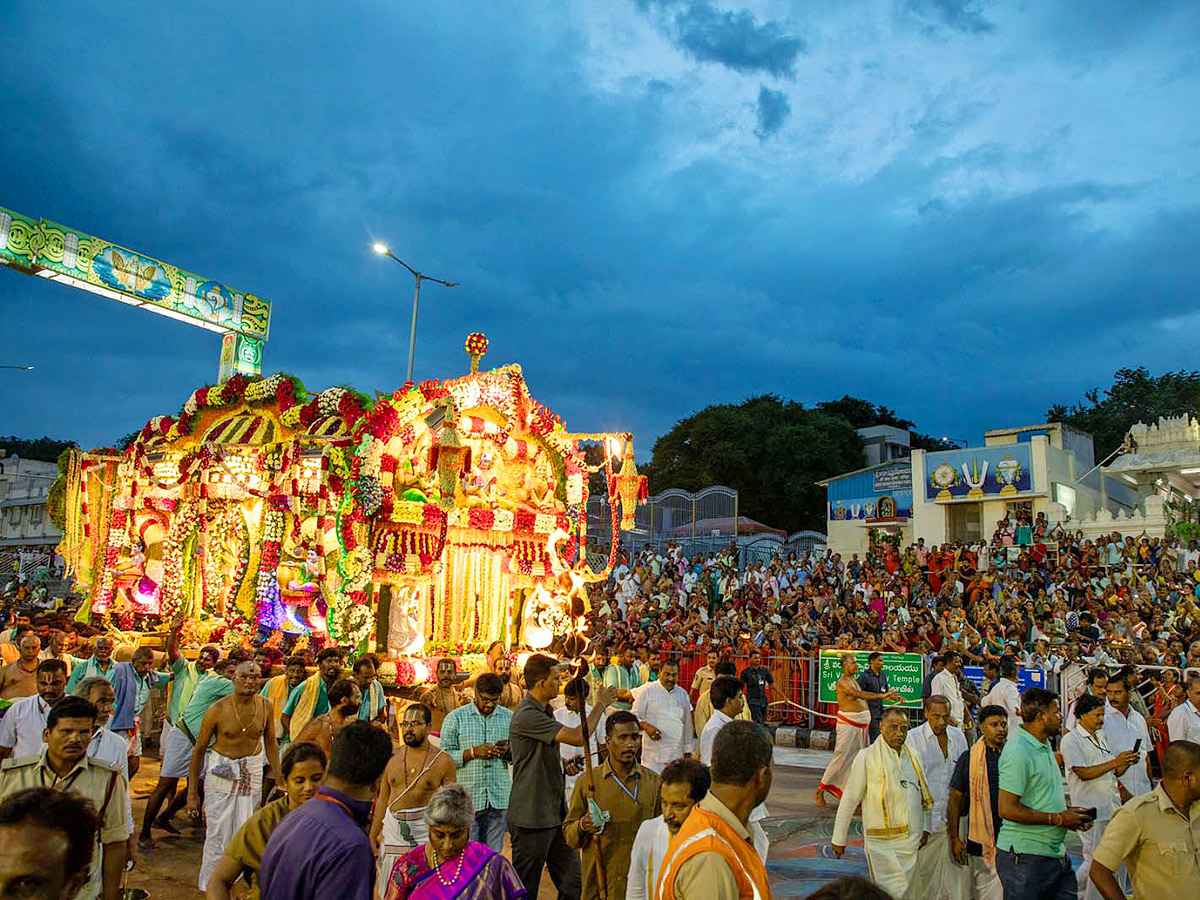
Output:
x=387 y=464
x=235 y=387
x=285 y=395
x=433 y=515
x=202 y=396
x=309 y=413
x=165 y=423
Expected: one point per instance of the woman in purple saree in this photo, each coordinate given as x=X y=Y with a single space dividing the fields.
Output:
x=450 y=866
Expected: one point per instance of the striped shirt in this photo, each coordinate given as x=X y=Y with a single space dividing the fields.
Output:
x=488 y=781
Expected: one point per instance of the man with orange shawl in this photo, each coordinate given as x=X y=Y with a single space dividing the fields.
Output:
x=886 y=778
x=975 y=792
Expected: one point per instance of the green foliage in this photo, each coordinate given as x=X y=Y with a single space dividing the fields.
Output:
x=1135 y=396
x=771 y=450
x=863 y=414
x=46 y=449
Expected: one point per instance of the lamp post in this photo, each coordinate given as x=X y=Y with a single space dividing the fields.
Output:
x=19 y=368
x=418 y=277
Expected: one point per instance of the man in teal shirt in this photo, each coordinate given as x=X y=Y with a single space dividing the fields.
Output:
x=623 y=675
x=184 y=676
x=1030 y=858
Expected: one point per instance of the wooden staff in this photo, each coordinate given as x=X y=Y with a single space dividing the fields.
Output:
x=590 y=775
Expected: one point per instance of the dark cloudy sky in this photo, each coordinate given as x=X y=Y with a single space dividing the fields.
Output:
x=963 y=209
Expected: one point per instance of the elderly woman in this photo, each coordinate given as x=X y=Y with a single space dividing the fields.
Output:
x=450 y=864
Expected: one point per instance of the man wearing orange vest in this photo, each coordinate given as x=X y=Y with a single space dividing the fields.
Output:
x=713 y=857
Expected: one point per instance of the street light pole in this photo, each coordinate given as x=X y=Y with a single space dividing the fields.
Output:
x=418 y=277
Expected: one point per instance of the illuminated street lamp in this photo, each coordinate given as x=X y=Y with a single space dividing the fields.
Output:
x=19 y=368
x=382 y=250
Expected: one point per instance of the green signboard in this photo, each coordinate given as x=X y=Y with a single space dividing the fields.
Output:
x=41 y=247
x=904 y=671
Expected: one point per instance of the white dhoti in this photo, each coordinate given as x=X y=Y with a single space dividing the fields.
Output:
x=232 y=789
x=851 y=737
x=1090 y=840
x=403 y=829
x=176 y=752
x=893 y=865
x=937 y=873
x=984 y=880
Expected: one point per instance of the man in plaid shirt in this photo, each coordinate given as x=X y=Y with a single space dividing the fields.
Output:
x=476 y=738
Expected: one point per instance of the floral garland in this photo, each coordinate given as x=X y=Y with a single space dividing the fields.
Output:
x=184 y=523
x=266 y=588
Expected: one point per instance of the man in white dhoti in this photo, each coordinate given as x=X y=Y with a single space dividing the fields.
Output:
x=243 y=727
x=938 y=745
x=975 y=793
x=415 y=772
x=853 y=721
x=665 y=714
x=886 y=778
x=1092 y=773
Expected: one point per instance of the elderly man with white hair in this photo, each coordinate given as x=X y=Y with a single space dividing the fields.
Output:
x=459 y=866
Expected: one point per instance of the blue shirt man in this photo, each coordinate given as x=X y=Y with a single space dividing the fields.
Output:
x=321 y=850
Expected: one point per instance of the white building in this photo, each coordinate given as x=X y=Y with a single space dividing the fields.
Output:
x=960 y=494
x=27 y=536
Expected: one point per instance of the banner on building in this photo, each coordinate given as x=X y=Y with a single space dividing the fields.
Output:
x=978 y=473
x=905 y=672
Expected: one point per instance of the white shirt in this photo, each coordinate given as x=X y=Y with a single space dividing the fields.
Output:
x=649 y=848
x=938 y=769
x=718 y=721
x=595 y=739
x=1120 y=733
x=670 y=713
x=946 y=684
x=1006 y=695
x=1183 y=724
x=22 y=726
x=1082 y=748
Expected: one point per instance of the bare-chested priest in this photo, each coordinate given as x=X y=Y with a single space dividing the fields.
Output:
x=853 y=720
x=415 y=771
x=244 y=726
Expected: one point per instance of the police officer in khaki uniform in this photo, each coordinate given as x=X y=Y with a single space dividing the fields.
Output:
x=1157 y=834
x=64 y=765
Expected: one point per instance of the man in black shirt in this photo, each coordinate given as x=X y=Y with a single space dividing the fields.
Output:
x=875 y=681
x=993 y=729
x=538 y=803
x=755 y=678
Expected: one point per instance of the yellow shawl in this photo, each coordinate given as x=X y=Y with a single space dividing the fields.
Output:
x=885 y=812
x=310 y=693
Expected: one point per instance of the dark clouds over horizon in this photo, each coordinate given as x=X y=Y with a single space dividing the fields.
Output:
x=964 y=210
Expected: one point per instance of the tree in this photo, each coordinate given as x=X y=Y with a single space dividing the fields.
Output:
x=46 y=449
x=863 y=414
x=1135 y=396
x=771 y=450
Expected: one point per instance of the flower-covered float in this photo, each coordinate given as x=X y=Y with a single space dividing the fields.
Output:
x=437 y=519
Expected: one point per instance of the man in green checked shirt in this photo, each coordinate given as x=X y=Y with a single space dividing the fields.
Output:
x=476 y=738
x=623 y=675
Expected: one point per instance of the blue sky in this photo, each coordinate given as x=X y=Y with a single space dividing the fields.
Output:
x=963 y=210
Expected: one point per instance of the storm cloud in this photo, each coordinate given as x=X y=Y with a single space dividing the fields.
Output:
x=650 y=206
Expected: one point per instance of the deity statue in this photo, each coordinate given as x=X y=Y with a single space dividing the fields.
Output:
x=479 y=486
x=406 y=637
